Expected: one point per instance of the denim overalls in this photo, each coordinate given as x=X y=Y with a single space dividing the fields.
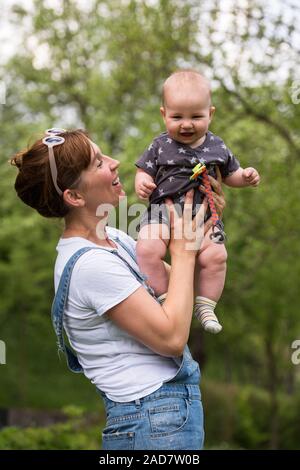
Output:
x=169 y=418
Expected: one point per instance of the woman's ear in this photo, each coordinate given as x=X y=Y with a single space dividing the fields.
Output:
x=73 y=198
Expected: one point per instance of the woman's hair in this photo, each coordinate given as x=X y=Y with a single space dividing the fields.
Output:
x=34 y=183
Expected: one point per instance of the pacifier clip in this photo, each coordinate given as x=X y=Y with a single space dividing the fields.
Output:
x=218 y=235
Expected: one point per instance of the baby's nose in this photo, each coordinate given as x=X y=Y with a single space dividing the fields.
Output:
x=187 y=123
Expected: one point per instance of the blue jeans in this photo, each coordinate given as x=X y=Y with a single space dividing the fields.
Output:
x=171 y=418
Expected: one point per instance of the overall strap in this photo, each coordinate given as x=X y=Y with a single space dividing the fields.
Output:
x=125 y=247
x=129 y=250
x=58 y=308
x=61 y=296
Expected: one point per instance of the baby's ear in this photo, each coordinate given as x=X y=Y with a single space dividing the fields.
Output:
x=162 y=111
x=212 y=110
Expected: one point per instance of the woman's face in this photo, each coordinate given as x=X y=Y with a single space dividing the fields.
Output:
x=100 y=182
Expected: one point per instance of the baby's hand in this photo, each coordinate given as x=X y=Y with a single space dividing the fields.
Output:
x=251 y=176
x=144 y=189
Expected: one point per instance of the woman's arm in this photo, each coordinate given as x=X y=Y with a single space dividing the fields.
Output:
x=165 y=329
x=167 y=268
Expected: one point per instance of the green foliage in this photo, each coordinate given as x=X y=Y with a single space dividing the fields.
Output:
x=239 y=417
x=77 y=433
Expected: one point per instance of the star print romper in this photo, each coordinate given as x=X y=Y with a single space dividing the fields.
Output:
x=170 y=163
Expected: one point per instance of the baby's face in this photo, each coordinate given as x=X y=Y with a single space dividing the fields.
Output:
x=187 y=115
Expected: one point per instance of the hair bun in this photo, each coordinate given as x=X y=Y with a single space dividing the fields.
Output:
x=17 y=159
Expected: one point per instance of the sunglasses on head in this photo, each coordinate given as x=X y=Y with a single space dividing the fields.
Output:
x=52 y=139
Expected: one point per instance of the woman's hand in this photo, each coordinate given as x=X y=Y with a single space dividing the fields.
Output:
x=186 y=232
x=218 y=194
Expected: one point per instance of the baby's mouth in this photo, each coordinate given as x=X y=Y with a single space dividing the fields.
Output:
x=186 y=134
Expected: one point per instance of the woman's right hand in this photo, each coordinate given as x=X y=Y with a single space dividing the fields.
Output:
x=186 y=232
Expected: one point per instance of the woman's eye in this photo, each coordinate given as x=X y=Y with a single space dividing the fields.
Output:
x=100 y=163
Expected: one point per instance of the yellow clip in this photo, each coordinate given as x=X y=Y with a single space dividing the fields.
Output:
x=197 y=170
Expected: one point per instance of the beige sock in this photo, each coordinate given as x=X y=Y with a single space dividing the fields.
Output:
x=204 y=312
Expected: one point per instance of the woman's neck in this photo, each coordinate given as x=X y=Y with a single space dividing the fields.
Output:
x=95 y=233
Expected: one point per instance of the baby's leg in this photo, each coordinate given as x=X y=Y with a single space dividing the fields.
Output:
x=212 y=262
x=209 y=282
x=150 y=250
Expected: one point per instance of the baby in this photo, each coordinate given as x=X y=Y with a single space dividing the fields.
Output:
x=165 y=170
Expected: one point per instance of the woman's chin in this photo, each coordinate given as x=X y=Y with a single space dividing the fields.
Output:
x=121 y=194
x=121 y=191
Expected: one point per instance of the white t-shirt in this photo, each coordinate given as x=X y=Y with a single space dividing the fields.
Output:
x=120 y=366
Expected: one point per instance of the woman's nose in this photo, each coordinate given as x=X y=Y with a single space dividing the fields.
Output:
x=113 y=163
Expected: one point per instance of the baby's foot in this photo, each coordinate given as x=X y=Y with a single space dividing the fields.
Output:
x=204 y=312
x=212 y=326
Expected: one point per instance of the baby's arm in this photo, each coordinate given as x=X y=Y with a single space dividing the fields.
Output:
x=243 y=177
x=144 y=184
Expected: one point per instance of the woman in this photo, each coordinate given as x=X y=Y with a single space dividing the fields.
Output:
x=132 y=348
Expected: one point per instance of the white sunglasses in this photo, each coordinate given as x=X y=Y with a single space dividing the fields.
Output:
x=51 y=140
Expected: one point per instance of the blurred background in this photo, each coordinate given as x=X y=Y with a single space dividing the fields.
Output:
x=100 y=65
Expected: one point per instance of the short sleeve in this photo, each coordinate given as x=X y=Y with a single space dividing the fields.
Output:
x=127 y=239
x=131 y=242
x=103 y=280
x=231 y=164
x=148 y=161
